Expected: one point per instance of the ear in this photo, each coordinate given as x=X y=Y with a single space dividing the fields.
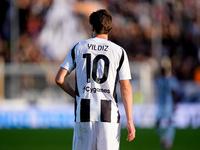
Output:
x=92 y=28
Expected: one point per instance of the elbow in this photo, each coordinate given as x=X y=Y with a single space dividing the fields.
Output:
x=60 y=77
x=58 y=81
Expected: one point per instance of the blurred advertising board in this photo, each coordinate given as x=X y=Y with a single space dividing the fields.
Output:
x=20 y=114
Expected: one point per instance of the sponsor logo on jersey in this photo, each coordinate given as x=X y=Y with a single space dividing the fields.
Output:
x=94 y=90
x=98 y=47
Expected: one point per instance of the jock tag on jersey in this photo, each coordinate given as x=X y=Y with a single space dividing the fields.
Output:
x=98 y=47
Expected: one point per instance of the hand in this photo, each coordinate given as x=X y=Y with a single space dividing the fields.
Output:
x=131 y=131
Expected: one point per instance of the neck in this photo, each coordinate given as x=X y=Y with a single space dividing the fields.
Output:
x=103 y=36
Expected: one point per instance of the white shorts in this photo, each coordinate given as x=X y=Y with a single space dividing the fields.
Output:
x=96 y=135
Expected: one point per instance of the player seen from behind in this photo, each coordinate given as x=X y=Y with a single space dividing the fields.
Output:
x=99 y=64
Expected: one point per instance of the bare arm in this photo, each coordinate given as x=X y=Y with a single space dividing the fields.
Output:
x=127 y=97
x=63 y=83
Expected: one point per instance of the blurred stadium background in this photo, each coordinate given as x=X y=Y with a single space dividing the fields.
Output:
x=36 y=35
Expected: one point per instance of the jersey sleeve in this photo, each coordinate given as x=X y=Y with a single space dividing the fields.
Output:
x=69 y=62
x=124 y=71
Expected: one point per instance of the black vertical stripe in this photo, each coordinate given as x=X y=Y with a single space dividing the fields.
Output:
x=121 y=60
x=73 y=58
x=118 y=117
x=73 y=53
x=105 y=111
x=117 y=75
x=75 y=108
x=114 y=91
x=76 y=88
x=77 y=94
x=85 y=110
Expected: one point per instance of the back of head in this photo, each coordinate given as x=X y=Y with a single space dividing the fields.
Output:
x=101 y=21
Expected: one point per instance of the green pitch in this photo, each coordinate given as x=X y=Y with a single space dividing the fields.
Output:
x=61 y=139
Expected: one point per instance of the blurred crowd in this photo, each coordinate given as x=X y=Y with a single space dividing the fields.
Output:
x=44 y=36
x=179 y=21
x=30 y=15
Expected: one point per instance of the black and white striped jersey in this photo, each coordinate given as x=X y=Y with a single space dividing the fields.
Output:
x=99 y=64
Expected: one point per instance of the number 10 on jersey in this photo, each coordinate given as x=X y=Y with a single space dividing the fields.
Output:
x=94 y=68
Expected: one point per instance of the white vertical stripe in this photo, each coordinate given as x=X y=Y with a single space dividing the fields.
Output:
x=95 y=109
x=114 y=114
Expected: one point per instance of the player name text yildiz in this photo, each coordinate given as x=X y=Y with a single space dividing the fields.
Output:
x=98 y=47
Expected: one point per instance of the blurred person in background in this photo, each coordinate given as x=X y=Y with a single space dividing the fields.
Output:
x=61 y=24
x=167 y=94
x=99 y=64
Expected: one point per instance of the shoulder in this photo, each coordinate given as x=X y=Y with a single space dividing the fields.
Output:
x=85 y=41
x=114 y=45
x=117 y=49
x=79 y=45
